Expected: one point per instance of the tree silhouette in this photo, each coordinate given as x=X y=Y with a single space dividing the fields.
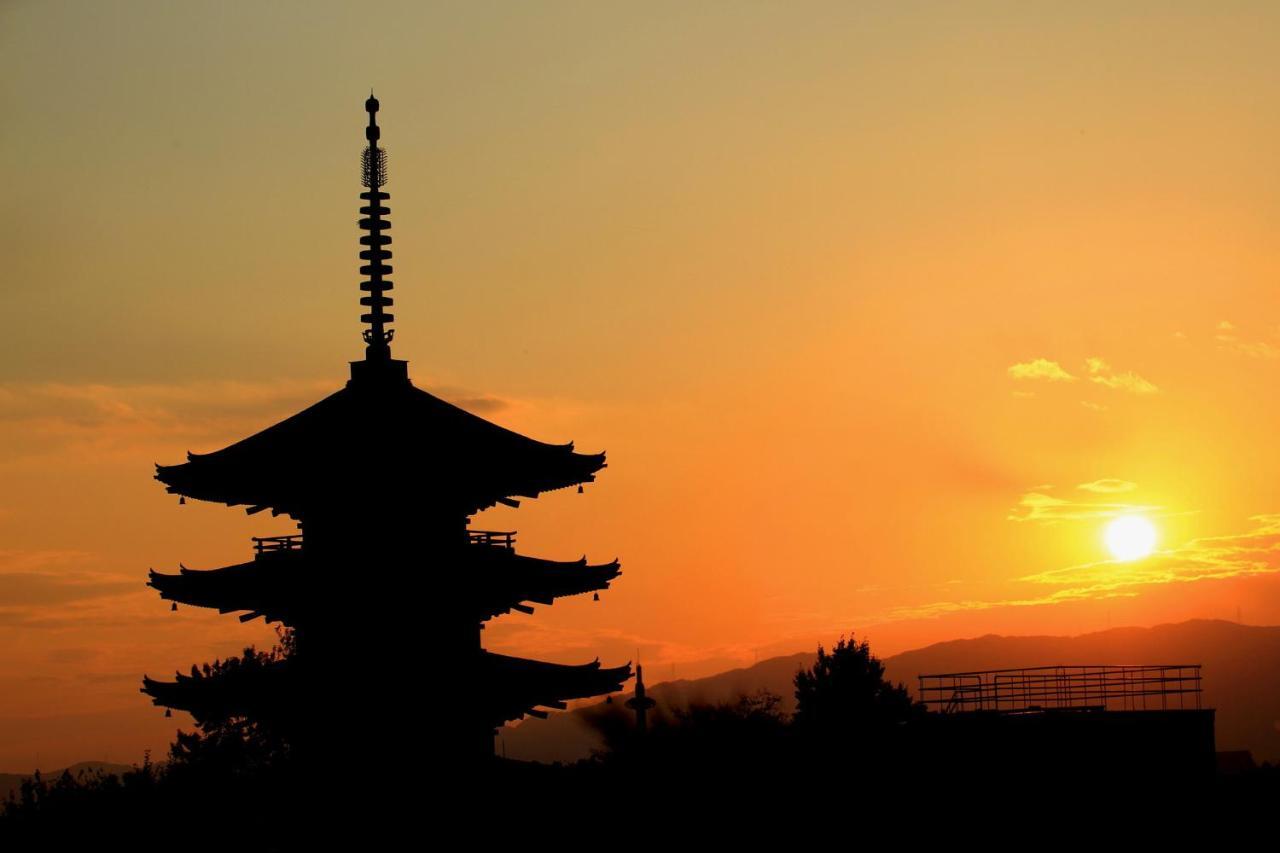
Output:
x=231 y=745
x=845 y=695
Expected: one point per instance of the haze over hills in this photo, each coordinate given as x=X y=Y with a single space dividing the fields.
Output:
x=1241 y=670
x=11 y=782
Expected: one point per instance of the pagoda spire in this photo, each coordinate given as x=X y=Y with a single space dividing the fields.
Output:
x=373 y=174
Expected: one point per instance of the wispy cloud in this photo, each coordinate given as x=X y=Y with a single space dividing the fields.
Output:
x=1225 y=333
x=1040 y=368
x=1097 y=371
x=1108 y=486
x=101 y=419
x=37 y=583
x=1101 y=372
x=1046 y=509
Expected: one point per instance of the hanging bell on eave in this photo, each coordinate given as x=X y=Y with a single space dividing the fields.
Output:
x=579 y=488
x=173 y=607
x=168 y=712
x=182 y=500
x=595 y=597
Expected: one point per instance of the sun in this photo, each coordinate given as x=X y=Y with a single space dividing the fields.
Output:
x=1130 y=537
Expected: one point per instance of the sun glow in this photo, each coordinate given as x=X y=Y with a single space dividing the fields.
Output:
x=1130 y=537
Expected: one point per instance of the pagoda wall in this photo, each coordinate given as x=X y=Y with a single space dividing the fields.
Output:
x=390 y=646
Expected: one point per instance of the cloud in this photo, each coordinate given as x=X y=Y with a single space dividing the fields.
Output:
x=1040 y=368
x=1047 y=509
x=1254 y=552
x=479 y=404
x=34 y=579
x=43 y=588
x=98 y=419
x=1101 y=373
x=50 y=589
x=1131 y=382
x=12 y=561
x=1094 y=407
x=1228 y=340
x=1108 y=486
x=1097 y=370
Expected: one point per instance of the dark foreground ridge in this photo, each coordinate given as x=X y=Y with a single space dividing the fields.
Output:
x=856 y=750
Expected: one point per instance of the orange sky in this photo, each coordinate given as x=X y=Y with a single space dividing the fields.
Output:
x=880 y=312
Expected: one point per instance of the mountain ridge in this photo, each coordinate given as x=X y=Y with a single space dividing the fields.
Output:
x=11 y=783
x=1240 y=666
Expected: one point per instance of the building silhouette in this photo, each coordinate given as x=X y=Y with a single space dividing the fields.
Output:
x=385 y=587
x=1073 y=726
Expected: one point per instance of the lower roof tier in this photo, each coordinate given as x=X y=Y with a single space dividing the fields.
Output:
x=502 y=689
x=380 y=439
x=491 y=581
x=515 y=686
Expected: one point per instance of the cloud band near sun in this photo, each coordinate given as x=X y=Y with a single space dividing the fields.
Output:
x=1107 y=486
x=1047 y=509
x=1254 y=552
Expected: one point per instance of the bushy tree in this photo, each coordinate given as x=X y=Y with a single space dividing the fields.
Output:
x=845 y=695
x=233 y=745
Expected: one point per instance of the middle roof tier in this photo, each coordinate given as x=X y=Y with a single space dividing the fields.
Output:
x=274 y=585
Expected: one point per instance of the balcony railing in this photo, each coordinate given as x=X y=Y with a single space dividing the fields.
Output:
x=1033 y=689
x=493 y=538
x=272 y=544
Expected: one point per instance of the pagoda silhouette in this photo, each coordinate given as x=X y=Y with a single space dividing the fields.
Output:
x=386 y=588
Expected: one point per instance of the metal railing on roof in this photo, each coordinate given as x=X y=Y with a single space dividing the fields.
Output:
x=272 y=544
x=293 y=542
x=493 y=538
x=1155 y=687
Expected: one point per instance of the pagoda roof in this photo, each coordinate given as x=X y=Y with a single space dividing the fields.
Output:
x=265 y=586
x=380 y=433
x=509 y=687
x=506 y=580
x=272 y=585
x=514 y=687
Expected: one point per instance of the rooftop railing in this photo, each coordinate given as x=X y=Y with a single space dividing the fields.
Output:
x=293 y=542
x=1032 y=689
x=493 y=538
x=272 y=544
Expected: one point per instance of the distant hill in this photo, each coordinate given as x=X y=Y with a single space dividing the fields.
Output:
x=1241 y=679
x=11 y=782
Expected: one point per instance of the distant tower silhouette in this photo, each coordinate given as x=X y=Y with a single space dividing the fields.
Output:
x=389 y=589
x=640 y=703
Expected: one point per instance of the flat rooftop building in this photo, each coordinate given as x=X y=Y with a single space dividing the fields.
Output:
x=1070 y=725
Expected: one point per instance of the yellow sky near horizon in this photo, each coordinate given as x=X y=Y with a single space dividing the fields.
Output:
x=881 y=311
